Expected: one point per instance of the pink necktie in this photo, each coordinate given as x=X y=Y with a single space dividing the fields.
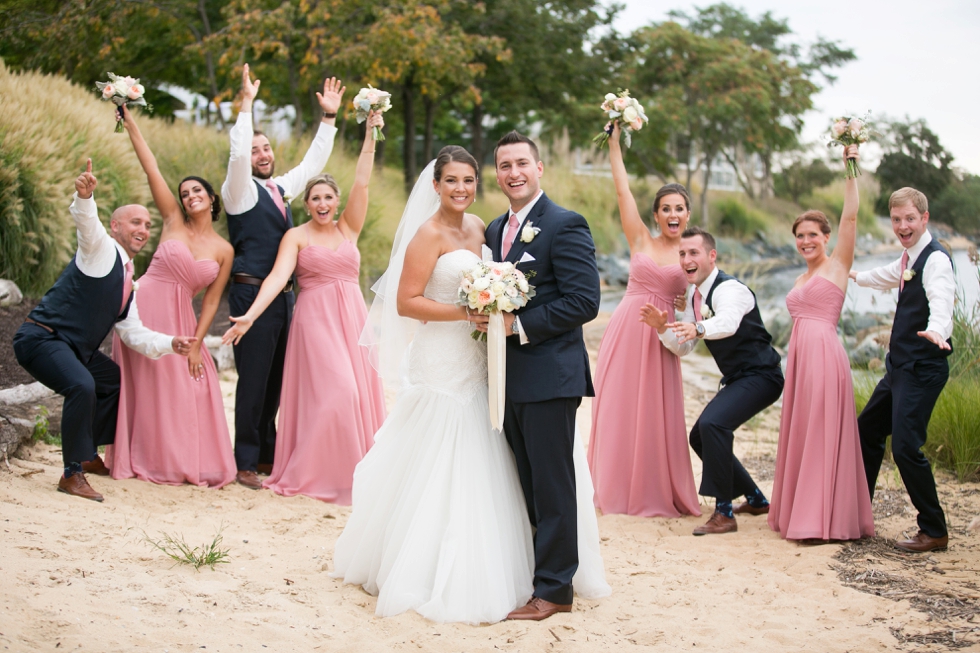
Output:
x=697 y=305
x=509 y=236
x=127 y=286
x=905 y=264
x=276 y=197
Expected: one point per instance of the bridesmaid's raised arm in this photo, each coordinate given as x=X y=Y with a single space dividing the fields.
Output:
x=636 y=232
x=847 y=231
x=163 y=197
x=351 y=220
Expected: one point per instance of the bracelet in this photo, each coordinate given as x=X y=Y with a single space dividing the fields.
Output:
x=327 y=114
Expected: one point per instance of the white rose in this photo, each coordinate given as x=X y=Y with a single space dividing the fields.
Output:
x=630 y=114
x=498 y=288
x=522 y=285
x=504 y=304
x=481 y=284
x=610 y=97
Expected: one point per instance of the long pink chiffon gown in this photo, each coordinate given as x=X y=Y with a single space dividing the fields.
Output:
x=638 y=453
x=820 y=490
x=171 y=428
x=332 y=401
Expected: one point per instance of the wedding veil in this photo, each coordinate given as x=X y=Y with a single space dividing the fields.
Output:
x=387 y=333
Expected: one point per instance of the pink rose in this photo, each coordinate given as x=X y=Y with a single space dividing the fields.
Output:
x=372 y=97
x=135 y=92
x=636 y=125
x=485 y=297
x=855 y=127
x=621 y=103
x=129 y=81
x=839 y=128
x=108 y=91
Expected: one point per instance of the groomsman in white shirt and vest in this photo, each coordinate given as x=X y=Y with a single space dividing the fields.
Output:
x=916 y=366
x=258 y=211
x=723 y=312
x=59 y=341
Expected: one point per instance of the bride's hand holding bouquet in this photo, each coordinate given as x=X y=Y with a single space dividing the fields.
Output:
x=491 y=287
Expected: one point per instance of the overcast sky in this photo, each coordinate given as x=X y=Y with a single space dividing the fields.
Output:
x=920 y=59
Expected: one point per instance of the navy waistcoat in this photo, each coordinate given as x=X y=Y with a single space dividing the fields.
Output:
x=912 y=316
x=255 y=234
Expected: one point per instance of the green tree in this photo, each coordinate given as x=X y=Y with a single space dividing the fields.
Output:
x=799 y=179
x=959 y=205
x=914 y=157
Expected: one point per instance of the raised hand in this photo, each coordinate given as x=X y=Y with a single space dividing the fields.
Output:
x=934 y=338
x=240 y=327
x=851 y=152
x=332 y=96
x=182 y=344
x=249 y=90
x=86 y=182
x=680 y=303
x=654 y=317
x=375 y=119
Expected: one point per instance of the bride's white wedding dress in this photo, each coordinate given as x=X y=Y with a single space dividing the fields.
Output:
x=439 y=523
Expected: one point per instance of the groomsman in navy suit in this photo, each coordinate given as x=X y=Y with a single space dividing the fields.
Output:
x=59 y=342
x=257 y=204
x=547 y=363
x=723 y=312
x=916 y=366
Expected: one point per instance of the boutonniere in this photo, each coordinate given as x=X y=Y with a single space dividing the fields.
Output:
x=908 y=274
x=706 y=313
x=529 y=232
x=136 y=286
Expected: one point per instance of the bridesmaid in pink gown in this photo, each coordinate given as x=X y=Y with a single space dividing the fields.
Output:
x=820 y=490
x=638 y=452
x=172 y=427
x=332 y=401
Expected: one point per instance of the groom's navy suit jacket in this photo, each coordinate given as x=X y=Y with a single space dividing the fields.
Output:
x=555 y=362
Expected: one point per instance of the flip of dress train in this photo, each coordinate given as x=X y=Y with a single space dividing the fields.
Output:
x=439 y=524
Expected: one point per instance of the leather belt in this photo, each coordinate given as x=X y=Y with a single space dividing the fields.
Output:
x=43 y=326
x=250 y=280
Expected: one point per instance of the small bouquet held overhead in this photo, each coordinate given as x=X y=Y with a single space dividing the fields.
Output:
x=121 y=91
x=371 y=99
x=851 y=130
x=625 y=110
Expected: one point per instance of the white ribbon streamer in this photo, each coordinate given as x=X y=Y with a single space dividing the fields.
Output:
x=497 y=368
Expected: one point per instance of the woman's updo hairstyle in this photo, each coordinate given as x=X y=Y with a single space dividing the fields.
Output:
x=454 y=154
x=813 y=216
x=320 y=179
x=671 y=189
x=215 y=200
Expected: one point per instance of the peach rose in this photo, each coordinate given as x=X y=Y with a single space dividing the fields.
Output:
x=839 y=128
x=108 y=91
x=621 y=103
x=135 y=92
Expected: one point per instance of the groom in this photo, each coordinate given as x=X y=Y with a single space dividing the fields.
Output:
x=547 y=363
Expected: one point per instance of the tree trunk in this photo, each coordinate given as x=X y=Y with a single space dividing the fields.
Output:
x=209 y=62
x=379 y=156
x=431 y=104
x=766 y=188
x=704 y=191
x=408 y=154
x=293 y=77
x=477 y=145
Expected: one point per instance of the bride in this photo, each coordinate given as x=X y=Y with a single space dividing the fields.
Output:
x=439 y=523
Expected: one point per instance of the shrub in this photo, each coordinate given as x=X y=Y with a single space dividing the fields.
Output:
x=734 y=219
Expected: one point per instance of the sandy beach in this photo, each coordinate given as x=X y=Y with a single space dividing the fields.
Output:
x=79 y=575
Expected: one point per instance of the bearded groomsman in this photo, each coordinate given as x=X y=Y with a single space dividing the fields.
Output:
x=59 y=341
x=723 y=312
x=258 y=216
x=916 y=366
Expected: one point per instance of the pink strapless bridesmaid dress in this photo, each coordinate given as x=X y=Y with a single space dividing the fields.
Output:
x=171 y=428
x=332 y=401
x=820 y=491
x=638 y=452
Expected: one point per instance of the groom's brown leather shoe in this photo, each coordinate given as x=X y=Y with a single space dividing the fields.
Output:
x=249 y=479
x=537 y=609
x=95 y=466
x=77 y=486
x=263 y=468
x=717 y=524
x=922 y=543
x=747 y=508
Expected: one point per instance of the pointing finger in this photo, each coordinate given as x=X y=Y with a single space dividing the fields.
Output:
x=88 y=166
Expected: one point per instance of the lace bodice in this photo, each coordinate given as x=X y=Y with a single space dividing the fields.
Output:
x=443 y=356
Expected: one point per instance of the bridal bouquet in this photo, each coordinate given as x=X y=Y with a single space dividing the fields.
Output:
x=123 y=90
x=848 y=130
x=494 y=287
x=627 y=112
x=371 y=99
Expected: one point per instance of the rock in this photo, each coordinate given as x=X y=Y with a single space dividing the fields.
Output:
x=22 y=394
x=853 y=323
x=614 y=270
x=223 y=355
x=869 y=350
x=13 y=433
x=10 y=294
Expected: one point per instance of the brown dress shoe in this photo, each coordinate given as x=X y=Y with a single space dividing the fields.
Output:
x=537 y=609
x=249 y=479
x=717 y=524
x=263 y=468
x=922 y=543
x=746 y=508
x=95 y=466
x=77 y=486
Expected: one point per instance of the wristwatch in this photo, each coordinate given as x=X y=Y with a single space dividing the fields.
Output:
x=699 y=328
x=514 y=328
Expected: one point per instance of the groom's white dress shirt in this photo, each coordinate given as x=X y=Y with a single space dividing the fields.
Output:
x=937 y=280
x=521 y=216
x=239 y=193
x=732 y=301
x=96 y=256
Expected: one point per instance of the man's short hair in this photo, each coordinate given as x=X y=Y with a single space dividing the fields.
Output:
x=909 y=195
x=513 y=138
x=706 y=237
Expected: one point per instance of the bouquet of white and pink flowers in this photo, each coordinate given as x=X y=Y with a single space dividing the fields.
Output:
x=494 y=287
x=848 y=130
x=624 y=110
x=123 y=90
x=371 y=99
